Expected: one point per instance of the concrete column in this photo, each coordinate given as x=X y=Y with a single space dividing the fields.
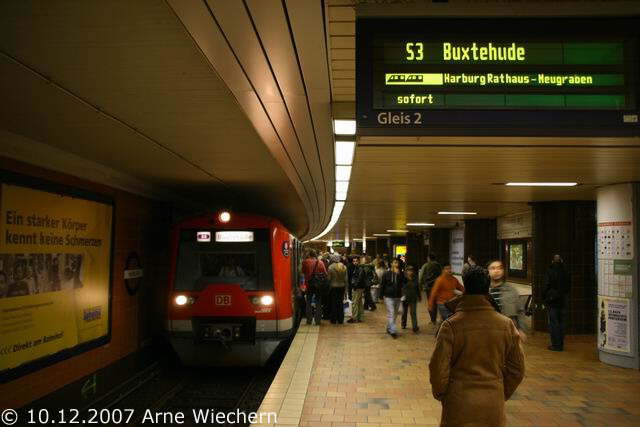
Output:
x=617 y=268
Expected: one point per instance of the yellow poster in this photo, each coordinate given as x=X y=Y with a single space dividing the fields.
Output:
x=55 y=257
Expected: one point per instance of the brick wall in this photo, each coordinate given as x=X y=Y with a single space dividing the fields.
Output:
x=142 y=225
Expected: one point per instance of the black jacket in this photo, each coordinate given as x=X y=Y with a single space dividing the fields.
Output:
x=392 y=284
x=411 y=290
x=557 y=284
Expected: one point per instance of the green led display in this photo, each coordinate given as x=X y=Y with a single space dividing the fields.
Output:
x=422 y=74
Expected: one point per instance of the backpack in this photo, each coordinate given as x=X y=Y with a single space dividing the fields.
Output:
x=318 y=280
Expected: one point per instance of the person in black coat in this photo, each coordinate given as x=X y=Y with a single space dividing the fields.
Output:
x=391 y=290
x=557 y=283
x=410 y=297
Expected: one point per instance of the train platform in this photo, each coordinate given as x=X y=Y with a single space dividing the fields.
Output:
x=356 y=375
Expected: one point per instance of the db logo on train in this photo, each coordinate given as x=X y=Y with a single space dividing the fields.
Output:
x=223 y=300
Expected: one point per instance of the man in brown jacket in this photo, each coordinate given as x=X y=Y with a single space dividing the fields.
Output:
x=478 y=361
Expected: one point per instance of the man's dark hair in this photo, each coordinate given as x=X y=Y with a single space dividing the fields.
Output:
x=476 y=281
x=446 y=264
x=432 y=256
x=312 y=254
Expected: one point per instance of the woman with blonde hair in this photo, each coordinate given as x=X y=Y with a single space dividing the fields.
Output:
x=337 y=283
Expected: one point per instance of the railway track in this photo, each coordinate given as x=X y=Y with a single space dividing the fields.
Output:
x=169 y=388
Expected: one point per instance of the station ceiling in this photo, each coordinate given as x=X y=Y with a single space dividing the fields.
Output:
x=224 y=103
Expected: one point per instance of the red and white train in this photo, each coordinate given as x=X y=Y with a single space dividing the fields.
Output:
x=231 y=281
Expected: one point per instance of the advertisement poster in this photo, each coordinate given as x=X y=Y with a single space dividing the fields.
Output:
x=457 y=250
x=613 y=328
x=55 y=257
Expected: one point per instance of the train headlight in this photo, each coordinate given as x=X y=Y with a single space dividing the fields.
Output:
x=224 y=216
x=184 y=300
x=266 y=300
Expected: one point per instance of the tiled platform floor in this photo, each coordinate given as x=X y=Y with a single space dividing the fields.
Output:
x=362 y=377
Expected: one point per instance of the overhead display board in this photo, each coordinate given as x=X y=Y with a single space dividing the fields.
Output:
x=516 y=76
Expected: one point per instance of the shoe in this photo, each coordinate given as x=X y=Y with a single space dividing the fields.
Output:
x=394 y=335
x=552 y=348
x=404 y=326
x=359 y=321
x=415 y=330
x=351 y=321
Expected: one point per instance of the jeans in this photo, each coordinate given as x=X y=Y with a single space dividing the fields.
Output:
x=318 y=309
x=556 y=327
x=393 y=306
x=445 y=313
x=413 y=308
x=357 y=310
x=336 y=309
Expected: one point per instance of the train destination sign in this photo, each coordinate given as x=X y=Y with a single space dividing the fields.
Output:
x=436 y=76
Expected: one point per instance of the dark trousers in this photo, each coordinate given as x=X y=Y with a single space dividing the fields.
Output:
x=411 y=307
x=433 y=313
x=311 y=314
x=556 y=327
x=336 y=309
x=368 y=299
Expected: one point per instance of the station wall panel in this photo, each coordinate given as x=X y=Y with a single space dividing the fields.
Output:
x=141 y=226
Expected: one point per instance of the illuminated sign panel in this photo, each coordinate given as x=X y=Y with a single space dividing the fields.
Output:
x=234 y=236
x=446 y=76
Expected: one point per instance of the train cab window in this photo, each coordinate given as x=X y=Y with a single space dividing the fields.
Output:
x=201 y=264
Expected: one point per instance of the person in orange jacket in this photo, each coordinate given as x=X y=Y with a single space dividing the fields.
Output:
x=443 y=290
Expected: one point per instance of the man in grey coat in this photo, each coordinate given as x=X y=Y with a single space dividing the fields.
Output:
x=507 y=297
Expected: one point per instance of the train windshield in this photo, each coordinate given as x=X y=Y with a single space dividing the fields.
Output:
x=214 y=258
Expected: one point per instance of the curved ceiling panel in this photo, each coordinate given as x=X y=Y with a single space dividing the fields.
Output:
x=258 y=49
x=177 y=96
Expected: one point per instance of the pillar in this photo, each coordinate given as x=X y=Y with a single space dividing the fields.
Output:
x=566 y=228
x=618 y=241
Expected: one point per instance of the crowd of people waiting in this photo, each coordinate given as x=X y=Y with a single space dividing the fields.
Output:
x=478 y=349
x=329 y=283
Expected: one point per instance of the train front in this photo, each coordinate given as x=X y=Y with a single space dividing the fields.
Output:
x=230 y=292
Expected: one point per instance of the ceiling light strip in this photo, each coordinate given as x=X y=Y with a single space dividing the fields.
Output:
x=344 y=153
x=541 y=184
x=456 y=213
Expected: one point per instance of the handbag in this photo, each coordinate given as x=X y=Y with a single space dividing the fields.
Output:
x=317 y=281
x=346 y=304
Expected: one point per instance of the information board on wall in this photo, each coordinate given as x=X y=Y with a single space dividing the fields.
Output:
x=430 y=74
x=456 y=250
x=55 y=265
x=613 y=328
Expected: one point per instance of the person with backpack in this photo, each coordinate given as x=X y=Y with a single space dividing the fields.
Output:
x=315 y=274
